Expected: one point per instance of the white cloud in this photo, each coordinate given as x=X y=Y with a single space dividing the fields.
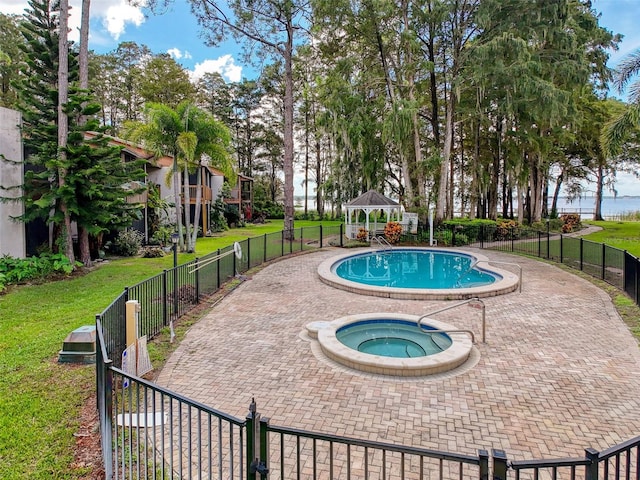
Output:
x=178 y=54
x=118 y=16
x=115 y=14
x=224 y=65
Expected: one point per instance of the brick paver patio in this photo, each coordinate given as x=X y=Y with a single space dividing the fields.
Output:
x=559 y=372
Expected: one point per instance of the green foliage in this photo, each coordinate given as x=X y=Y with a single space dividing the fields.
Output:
x=162 y=235
x=152 y=252
x=570 y=222
x=268 y=209
x=22 y=270
x=127 y=244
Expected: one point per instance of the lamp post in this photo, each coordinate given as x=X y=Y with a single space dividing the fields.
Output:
x=174 y=240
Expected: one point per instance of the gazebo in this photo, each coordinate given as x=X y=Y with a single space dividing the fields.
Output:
x=378 y=210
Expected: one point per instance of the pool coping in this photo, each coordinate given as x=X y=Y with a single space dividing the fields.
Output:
x=449 y=359
x=507 y=284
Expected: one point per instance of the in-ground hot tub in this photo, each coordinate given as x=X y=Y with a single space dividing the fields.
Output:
x=417 y=274
x=392 y=344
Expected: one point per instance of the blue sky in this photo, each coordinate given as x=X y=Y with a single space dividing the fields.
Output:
x=175 y=31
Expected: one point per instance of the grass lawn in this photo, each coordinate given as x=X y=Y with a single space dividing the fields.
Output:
x=40 y=399
x=622 y=235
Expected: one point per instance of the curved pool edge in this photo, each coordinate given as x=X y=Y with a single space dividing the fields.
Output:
x=454 y=356
x=507 y=284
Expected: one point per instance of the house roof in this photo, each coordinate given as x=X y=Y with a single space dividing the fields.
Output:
x=136 y=150
x=372 y=199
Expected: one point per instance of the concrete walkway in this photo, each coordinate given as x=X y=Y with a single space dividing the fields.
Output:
x=559 y=372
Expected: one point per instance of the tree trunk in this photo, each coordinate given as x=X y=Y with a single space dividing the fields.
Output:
x=63 y=123
x=84 y=246
x=556 y=195
x=536 y=185
x=83 y=61
x=288 y=133
x=198 y=207
x=597 y=213
x=178 y=205
x=441 y=206
x=187 y=209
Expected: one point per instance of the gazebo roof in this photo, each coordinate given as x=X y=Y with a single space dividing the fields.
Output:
x=372 y=199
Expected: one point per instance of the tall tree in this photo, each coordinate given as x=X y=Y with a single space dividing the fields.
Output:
x=275 y=26
x=163 y=81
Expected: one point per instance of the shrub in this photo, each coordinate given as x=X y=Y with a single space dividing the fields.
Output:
x=363 y=235
x=21 y=270
x=162 y=235
x=506 y=228
x=152 y=252
x=127 y=243
x=570 y=222
x=442 y=237
x=392 y=232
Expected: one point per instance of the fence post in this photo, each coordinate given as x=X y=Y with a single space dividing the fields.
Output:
x=197 y=279
x=165 y=312
x=265 y=249
x=104 y=400
x=548 y=240
x=256 y=443
x=591 y=470
x=342 y=235
x=248 y=254
x=320 y=236
x=483 y=457
x=481 y=236
x=123 y=325
x=264 y=448
x=561 y=249
x=513 y=246
x=540 y=244
x=499 y=464
x=251 y=434
x=604 y=259
x=581 y=253
x=282 y=244
x=218 y=269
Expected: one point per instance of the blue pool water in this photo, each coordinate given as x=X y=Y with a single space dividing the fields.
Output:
x=392 y=338
x=414 y=268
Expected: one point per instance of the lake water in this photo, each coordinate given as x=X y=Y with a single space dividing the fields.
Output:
x=611 y=206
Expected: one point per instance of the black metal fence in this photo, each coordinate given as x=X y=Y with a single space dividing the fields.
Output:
x=612 y=265
x=175 y=291
x=150 y=432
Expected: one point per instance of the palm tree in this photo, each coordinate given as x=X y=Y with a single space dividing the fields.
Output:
x=208 y=142
x=190 y=135
x=616 y=131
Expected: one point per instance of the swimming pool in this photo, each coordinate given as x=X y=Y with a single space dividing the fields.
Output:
x=413 y=350
x=417 y=273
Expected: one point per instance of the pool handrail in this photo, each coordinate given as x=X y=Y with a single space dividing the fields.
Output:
x=454 y=330
x=459 y=304
x=508 y=263
x=383 y=242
